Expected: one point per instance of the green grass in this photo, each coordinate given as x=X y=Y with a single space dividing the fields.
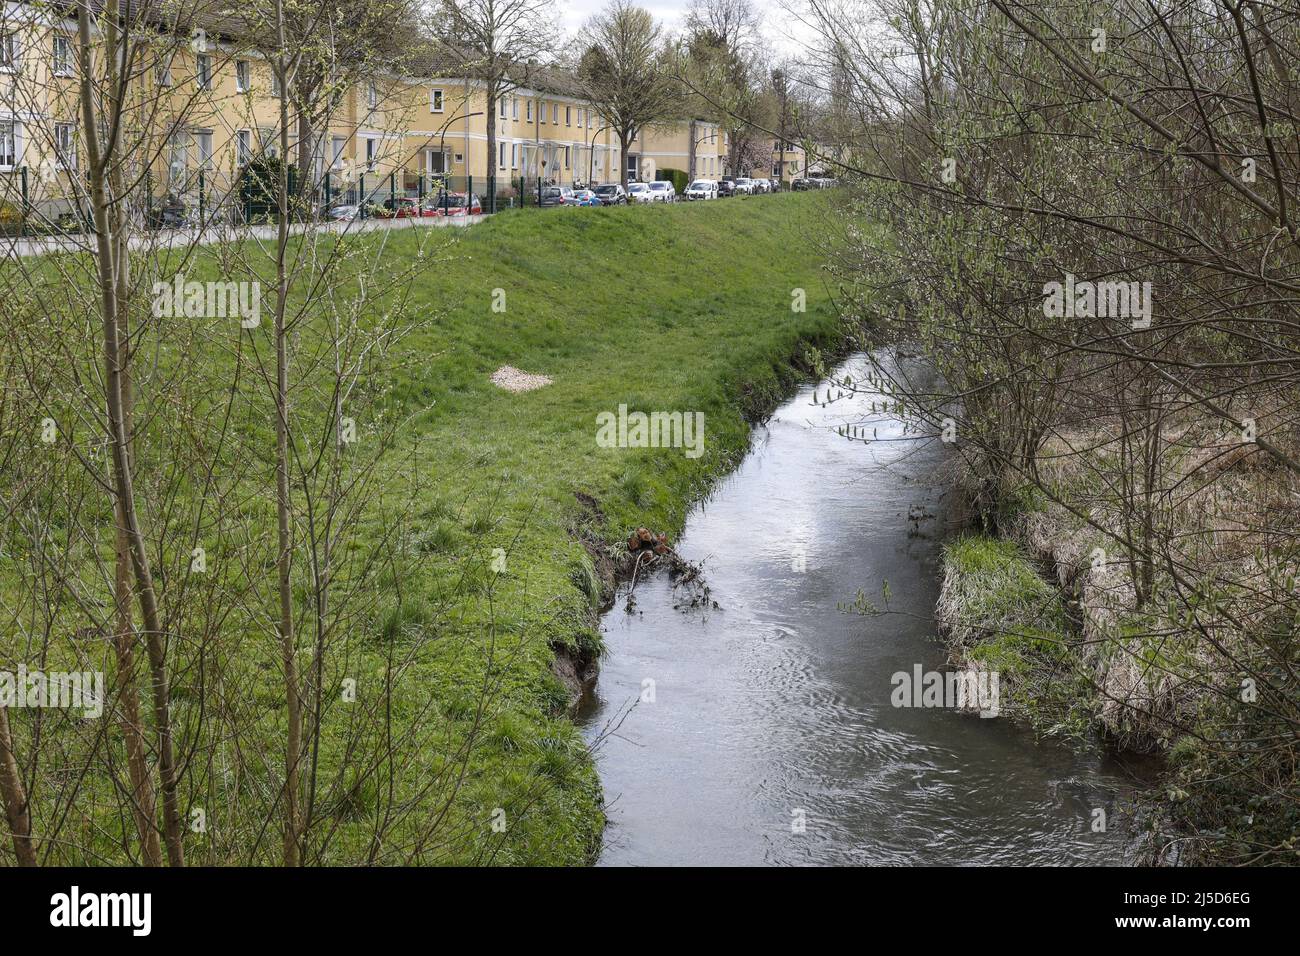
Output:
x=670 y=308
x=1011 y=620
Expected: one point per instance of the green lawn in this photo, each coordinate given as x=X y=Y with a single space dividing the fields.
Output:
x=667 y=308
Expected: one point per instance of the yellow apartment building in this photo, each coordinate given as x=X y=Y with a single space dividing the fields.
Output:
x=208 y=104
x=697 y=147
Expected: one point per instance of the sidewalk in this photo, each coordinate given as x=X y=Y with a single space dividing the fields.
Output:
x=174 y=238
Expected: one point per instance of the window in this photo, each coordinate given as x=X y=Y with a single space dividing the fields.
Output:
x=568 y=116
x=268 y=141
x=372 y=95
x=555 y=113
x=435 y=101
x=8 y=144
x=162 y=71
x=65 y=146
x=502 y=103
x=514 y=155
x=8 y=50
x=241 y=76
x=501 y=155
x=514 y=107
x=203 y=141
x=62 y=59
x=566 y=157
x=530 y=110
x=337 y=146
x=460 y=159
x=203 y=70
x=243 y=147
x=177 y=159
x=372 y=152
x=277 y=88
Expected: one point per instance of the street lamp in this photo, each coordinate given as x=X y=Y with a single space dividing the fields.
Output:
x=591 y=153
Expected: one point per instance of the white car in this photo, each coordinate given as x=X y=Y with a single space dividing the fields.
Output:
x=663 y=191
x=639 y=192
x=745 y=186
x=702 y=189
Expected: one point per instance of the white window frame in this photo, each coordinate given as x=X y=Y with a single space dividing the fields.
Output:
x=568 y=116
x=243 y=147
x=203 y=71
x=10 y=139
x=514 y=107
x=277 y=88
x=243 y=76
x=501 y=155
x=514 y=155
x=529 y=105
x=371 y=152
x=338 y=146
x=202 y=139
x=61 y=62
x=555 y=114
x=502 y=106
x=372 y=95
x=178 y=146
x=11 y=53
x=65 y=145
x=437 y=102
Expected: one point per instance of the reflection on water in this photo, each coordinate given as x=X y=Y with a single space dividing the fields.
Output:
x=778 y=700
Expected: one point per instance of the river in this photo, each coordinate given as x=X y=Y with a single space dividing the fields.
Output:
x=761 y=731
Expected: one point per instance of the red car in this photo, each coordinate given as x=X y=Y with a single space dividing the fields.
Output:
x=397 y=209
x=453 y=204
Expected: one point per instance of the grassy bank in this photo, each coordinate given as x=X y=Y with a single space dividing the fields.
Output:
x=473 y=526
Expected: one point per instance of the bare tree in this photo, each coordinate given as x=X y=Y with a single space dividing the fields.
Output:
x=622 y=71
x=497 y=43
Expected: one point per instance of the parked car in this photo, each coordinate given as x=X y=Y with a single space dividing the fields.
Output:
x=453 y=204
x=663 y=191
x=586 y=197
x=744 y=185
x=343 y=212
x=639 y=192
x=397 y=208
x=763 y=185
x=702 y=189
x=556 y=196
x=611 y=194
x=727 y=186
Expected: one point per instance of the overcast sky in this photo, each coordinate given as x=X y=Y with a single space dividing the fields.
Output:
x=672 y=15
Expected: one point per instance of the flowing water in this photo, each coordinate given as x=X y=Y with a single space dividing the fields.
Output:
x=761 y=731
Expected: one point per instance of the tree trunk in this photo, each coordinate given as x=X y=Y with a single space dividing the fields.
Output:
x=15 y=796
x=624 y=141
x=107 y=215
x=284 y=565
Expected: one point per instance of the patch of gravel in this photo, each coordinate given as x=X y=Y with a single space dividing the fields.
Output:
x=513 y=380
